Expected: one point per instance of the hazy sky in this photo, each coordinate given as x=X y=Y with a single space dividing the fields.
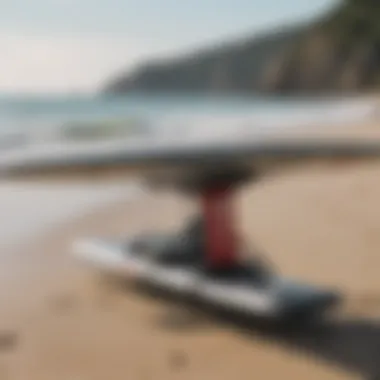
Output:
x=70 y=45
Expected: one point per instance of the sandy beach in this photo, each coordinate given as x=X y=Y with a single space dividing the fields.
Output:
x=61 y=321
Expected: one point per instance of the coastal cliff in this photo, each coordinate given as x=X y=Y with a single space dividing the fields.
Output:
x=339 y=52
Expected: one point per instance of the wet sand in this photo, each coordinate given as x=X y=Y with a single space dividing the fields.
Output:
x=318 y=223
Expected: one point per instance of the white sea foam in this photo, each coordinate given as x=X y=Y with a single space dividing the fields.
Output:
x=328 y=114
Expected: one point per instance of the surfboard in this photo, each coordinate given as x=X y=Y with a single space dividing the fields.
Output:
x=149 y=157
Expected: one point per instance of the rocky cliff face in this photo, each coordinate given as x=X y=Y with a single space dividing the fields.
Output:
x=322 y=65
x=340 y=52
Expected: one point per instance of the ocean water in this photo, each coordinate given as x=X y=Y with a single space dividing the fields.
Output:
x=42 y=119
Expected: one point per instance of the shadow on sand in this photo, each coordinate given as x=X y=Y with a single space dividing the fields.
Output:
x=351 y=344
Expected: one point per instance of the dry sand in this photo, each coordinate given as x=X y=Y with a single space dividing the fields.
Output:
x=320 y=223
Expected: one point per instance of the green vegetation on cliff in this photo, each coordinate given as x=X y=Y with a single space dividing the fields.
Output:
x=338 y=52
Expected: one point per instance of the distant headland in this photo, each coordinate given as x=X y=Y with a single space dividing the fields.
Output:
x=337 y=53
